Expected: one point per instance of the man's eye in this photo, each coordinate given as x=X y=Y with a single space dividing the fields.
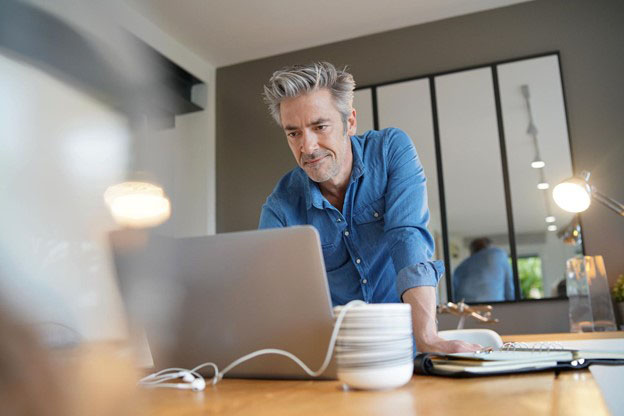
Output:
x=293 y=134
x=322 y=127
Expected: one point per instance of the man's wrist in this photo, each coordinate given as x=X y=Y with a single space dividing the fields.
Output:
x=427 y=343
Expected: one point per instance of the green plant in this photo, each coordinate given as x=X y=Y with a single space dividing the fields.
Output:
x=530 y=274
x=618 y=289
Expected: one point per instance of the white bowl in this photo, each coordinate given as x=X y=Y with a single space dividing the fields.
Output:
x=377 y=346
x=371 y=338
x=376 y=308
x=377 y=378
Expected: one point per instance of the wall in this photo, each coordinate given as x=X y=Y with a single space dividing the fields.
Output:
x=252 y=154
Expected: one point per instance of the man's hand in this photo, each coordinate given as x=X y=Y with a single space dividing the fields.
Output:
x=423 y=304
x=448 y=347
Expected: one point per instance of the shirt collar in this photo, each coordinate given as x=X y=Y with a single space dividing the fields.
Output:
x=312 y=192
x=313 y=196
x=358 y=168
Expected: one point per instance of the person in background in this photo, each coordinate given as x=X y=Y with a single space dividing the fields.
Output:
x=365 y=194
x=485 y=276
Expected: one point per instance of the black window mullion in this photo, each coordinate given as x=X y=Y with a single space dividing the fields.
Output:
x=443 y=222
x=506 y=184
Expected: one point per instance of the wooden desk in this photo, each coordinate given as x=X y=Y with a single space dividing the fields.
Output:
x=571 y=393
x=535 y=394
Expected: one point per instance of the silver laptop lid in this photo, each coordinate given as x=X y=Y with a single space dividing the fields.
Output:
x=220 y=297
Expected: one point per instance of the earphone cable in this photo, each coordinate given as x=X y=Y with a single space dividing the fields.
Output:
x=153 y=380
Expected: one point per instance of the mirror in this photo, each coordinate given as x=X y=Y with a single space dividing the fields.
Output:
x=534 y=120
x=479 y=133
x=478 y=235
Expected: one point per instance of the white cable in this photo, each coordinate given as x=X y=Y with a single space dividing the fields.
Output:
x=157 y=379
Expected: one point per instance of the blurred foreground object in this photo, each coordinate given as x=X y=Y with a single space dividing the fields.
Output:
x=72 y=84
x=589 y=297
x=575 y=195
x=482 y=313
x=29 y=385
x=94 y=379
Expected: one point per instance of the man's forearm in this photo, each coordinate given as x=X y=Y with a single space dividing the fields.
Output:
x=423 y=302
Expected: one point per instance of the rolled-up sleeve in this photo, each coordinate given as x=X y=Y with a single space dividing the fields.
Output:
x=407 y=214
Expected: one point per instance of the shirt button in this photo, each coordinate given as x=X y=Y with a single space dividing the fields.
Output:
x=364 y=281
x=375 y=214
x=358 y=261
x=338 y=220
x=346 y=233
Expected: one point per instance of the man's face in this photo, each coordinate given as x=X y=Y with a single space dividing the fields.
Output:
x=316 y=134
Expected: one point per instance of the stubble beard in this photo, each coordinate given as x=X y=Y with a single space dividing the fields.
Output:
x=324 y=170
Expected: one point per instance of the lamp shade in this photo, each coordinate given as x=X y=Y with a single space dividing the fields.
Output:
x=137 y=204
x=573 y=195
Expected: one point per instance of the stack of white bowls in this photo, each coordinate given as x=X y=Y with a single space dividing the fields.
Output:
x=374 y=346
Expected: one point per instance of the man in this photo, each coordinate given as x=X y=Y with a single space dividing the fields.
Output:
x=485 y=276
x=366 y=195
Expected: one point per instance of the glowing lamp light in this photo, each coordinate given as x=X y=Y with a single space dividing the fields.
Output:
x=572 y=195
x=543 y=185
x=576 y=193
x=137 y=204
x=538 y=164
x=552 y=227
x=550 y=218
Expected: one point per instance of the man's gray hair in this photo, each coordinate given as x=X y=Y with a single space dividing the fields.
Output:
x=296 y=80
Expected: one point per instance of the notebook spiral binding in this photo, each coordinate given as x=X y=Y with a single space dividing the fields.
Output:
x=522 y=346
x=535 y=347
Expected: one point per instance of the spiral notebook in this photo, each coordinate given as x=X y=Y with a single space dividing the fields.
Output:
x=513 y=358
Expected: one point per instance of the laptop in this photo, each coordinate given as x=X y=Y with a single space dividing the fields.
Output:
x=217 y=298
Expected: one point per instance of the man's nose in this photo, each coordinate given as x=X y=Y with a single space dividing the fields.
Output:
x=309 y=143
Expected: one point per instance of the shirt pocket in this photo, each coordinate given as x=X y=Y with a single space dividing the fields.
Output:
x=371 y=213
x=328 y=248
x=334 y=256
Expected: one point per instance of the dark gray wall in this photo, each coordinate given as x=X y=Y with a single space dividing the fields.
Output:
x=530 y=317
x=252 y=153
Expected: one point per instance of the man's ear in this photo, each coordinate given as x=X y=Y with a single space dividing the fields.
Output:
x=352 y=123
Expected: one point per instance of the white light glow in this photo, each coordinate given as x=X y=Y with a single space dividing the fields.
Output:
x=538 y=164
x=572 y=197
x=543 y=185
x=552 y=227
x=138 y=204
x=550 y=218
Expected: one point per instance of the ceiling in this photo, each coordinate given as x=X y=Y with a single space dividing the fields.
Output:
x=228 y=32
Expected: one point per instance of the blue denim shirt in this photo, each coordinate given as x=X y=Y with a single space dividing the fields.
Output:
x=485 y=276
x=378 y=246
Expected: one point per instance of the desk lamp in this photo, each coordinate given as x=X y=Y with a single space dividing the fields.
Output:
x=575 y=195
